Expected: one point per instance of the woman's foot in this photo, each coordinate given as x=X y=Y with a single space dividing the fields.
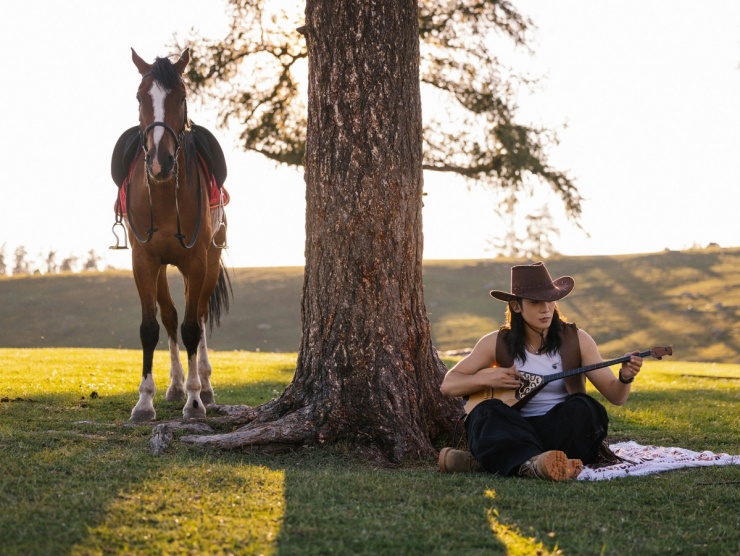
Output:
x=457 y=461
x=553 y=465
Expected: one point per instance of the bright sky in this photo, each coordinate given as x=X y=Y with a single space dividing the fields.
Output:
x=650 y=93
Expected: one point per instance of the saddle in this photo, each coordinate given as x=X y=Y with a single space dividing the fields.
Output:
x=206 y=145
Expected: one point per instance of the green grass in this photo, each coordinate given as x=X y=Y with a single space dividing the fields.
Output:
x=78 y=479
x=689 y=299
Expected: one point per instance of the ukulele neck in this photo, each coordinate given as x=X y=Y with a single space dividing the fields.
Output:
x=587 y=368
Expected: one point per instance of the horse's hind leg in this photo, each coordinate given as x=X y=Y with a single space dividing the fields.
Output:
x=191 y=337
x=209 y=286
x=204 y=367
x=176 y=389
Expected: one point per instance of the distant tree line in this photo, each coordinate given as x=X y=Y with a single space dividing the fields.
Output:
x=20 y=263
x=535 y=244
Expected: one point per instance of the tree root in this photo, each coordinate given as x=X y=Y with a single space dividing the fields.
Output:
x=291 y=431
x=231 y=415
x=162 y=434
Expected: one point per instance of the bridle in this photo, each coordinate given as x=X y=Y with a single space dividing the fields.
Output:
x=167 y=127
x=179 y=141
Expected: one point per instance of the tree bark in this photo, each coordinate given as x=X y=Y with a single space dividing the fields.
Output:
x=367 y=372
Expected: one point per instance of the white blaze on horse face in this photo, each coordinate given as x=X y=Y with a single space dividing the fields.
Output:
x=158 y=94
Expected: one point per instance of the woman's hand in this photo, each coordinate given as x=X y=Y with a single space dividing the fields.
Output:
x=629 y=369
x=501 y=377
x=461 y=384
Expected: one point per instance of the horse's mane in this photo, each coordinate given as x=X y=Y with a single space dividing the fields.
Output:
x=163 y=72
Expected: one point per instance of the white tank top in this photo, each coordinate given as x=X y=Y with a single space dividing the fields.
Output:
x=553 y=393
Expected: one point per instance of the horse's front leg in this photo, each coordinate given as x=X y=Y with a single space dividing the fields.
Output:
x=149 y=335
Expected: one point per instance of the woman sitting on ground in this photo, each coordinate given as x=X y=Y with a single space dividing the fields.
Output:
x=561 y=427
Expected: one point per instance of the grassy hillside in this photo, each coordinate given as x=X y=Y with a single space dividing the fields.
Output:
x=689 y=299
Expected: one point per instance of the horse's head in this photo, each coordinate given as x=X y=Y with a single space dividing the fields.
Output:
x=163 y=115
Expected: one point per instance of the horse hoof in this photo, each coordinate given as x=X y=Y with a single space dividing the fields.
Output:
x=194 y=412
x=206 y=397
x=142 y=415
x=175 y=395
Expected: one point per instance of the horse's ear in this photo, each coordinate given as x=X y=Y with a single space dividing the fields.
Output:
x=140 y=64
x=183 y=61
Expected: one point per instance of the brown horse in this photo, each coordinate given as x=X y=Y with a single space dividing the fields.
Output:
x=170 y=222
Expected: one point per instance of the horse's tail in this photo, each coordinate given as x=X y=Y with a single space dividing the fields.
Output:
x=219 y=302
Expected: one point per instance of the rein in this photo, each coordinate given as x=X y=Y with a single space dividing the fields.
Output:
x=150 y=232
x=179 y=235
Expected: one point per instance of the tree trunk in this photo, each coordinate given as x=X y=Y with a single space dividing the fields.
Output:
x=367 y=372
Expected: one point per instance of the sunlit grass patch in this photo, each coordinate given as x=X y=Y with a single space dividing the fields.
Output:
x=515 y=542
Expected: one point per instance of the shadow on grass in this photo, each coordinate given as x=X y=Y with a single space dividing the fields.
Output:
x=59 y=477
x=69 y=461
x=335 y=507
x=79 y=480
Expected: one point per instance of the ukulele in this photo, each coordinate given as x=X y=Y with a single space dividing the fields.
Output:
x=533 y=383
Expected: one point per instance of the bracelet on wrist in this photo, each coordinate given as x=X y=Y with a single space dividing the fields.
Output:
x=622 y=380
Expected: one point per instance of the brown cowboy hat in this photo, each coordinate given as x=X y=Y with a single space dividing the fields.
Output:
x=532 y=281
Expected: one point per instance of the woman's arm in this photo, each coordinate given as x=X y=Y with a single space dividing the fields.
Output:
x=604 y=379
x=475 y=372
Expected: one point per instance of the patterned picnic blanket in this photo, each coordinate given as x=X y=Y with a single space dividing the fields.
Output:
x=653 y=459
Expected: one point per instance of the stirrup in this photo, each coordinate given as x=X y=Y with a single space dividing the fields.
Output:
x=118 y=239
x=221 y=224
x=224 y=245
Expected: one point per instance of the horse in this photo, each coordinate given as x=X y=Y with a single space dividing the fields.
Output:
x=170 y=221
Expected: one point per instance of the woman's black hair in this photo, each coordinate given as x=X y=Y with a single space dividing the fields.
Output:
x=516 y=326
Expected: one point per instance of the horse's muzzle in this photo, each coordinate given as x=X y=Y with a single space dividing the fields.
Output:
x=160 y=161
x=160 y=167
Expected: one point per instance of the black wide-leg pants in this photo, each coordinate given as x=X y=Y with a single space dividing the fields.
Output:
x=501 y=439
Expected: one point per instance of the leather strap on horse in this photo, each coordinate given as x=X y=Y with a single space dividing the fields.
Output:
x=142 y=136
x=150 y=232
x=179 y=235
x=152 y=229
